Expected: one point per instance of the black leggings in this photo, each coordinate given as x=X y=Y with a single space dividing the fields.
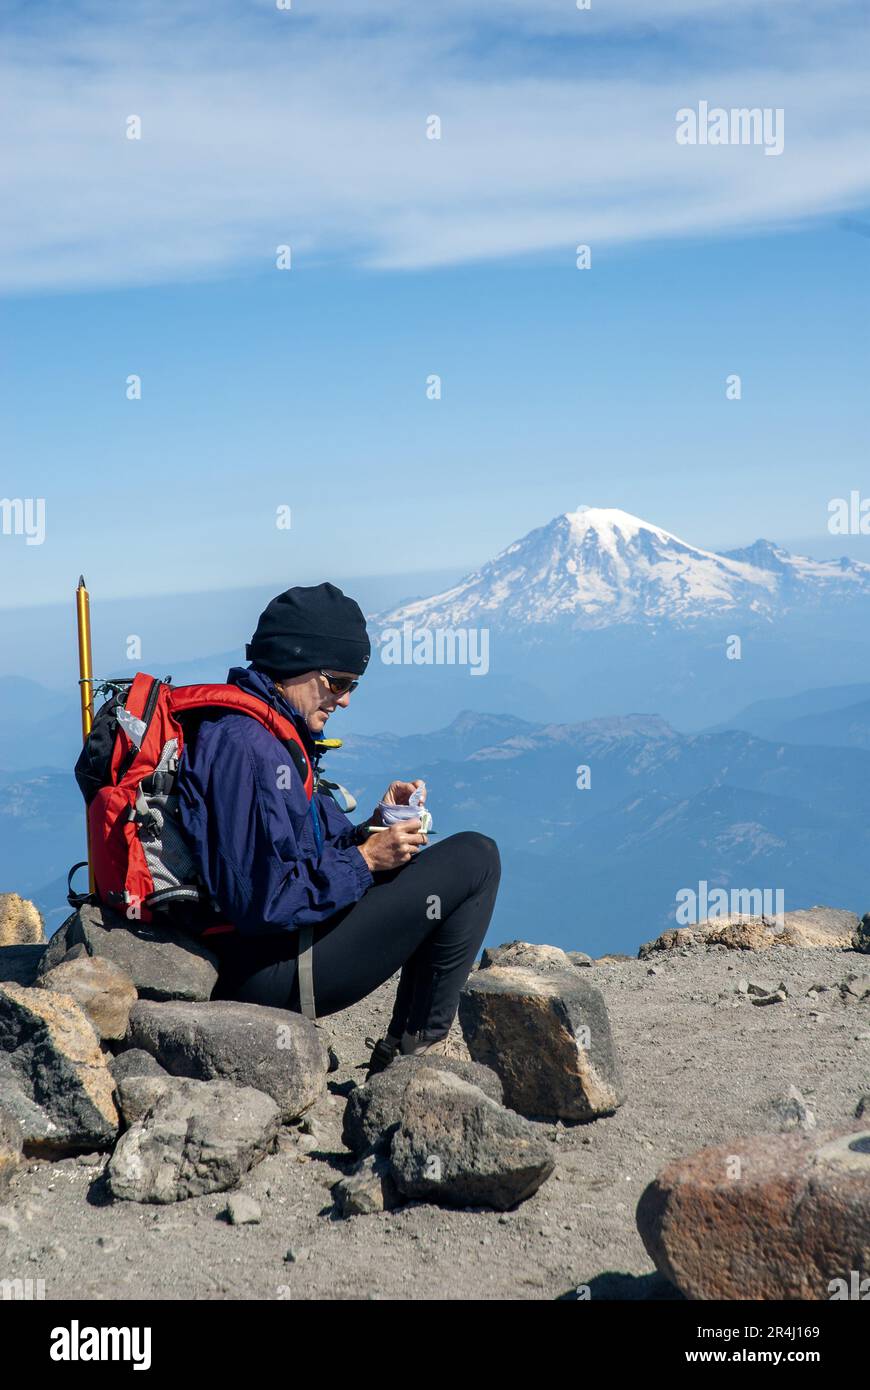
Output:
x=428 y=917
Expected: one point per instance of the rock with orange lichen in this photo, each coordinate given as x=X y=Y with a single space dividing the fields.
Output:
x=766 y=1217
x=54 y=1079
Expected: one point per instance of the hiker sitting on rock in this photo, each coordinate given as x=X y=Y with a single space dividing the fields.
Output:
x=284 y=869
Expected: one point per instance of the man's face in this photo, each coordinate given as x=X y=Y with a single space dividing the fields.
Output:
x=311 y=695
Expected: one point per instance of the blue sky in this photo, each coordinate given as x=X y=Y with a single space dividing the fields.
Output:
x=306 y=388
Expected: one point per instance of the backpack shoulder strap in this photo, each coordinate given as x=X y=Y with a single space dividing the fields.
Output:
x=186 y=698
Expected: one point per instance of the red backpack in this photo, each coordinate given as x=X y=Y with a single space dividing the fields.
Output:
x=127 y=774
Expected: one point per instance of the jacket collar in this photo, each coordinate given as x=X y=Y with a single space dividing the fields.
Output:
x=258 y=683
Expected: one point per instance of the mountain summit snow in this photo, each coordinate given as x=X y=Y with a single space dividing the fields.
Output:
x=600 y=567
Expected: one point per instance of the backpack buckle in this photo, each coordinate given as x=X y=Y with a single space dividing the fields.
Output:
x=144 y=818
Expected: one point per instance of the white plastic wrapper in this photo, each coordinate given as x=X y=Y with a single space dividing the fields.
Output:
x=134 y=728
x=393 y=815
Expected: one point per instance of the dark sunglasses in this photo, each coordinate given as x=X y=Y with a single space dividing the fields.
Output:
x=339 y=685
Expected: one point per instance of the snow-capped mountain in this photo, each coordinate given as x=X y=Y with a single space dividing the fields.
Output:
x=597 y=567
x=799 y=576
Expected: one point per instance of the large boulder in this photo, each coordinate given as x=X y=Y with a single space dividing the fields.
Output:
x=810 y=927
x=162 y=964
x=196 y=1137
x=20 y=922
x=19 y=964
x=273 y=1050
x=373 y=1111
x=55 y=1080
x=547 y=1037
x=768 y=1217
x=457 y=1146
x=103 y=989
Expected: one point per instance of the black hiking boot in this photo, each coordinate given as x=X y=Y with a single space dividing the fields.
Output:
x=383 y=1053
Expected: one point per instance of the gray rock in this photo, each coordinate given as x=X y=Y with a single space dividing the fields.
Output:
x=20 y=964
x=458 y=1147
x=373 y=1111
x=792 y=1112
x=201 y=1136
x=101 y=987
x=135 y=1061
x=548 y=1038
x=11 y=1142
x=274 y=1050
x=243 y=1210
x=545 y=960
x=16 y=1101
x=777 y=996
x=368 y=1188
x=9 y=1221
x=579 y=958
x=137 y=1094
x=855 y=987
x=55 y=1079
x=162 y=964
x=863 y=1107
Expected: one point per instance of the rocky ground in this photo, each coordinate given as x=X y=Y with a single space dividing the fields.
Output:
x=702 y=1064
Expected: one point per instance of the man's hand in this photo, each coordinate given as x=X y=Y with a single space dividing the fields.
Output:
x=398 y=794
x=393 y=847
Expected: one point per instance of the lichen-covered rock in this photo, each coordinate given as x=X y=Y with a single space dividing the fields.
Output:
x=809 y=927
x=53 y=1056
x=101 y=987
x=547 y=1037
x=526 y=956
x=766 y=1217
x=21 y=921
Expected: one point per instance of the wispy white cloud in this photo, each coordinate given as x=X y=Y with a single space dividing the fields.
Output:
x=262 y=127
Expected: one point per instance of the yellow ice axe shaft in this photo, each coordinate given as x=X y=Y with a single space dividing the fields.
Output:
x=86 y=688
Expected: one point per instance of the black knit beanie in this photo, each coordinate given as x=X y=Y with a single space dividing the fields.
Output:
x=309 y=629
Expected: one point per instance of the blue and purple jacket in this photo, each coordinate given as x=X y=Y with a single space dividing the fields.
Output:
x=271 y=860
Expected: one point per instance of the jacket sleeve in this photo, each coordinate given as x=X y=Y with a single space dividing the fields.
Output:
x=251 y=859
x=339 y=829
